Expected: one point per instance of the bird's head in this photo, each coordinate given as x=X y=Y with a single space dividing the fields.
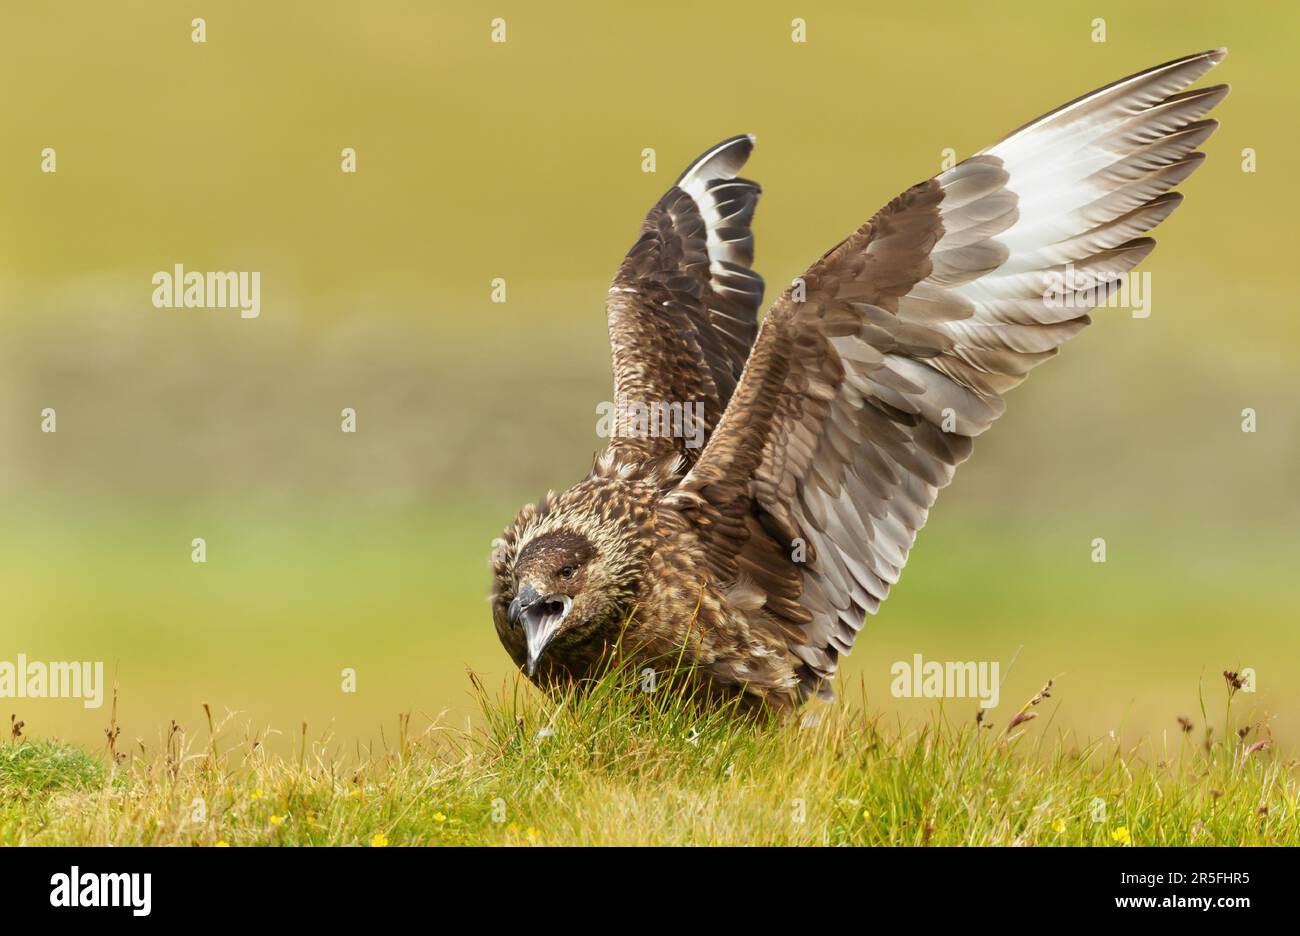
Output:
x=565 y=574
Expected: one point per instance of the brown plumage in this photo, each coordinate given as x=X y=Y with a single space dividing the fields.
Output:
x=831 y=430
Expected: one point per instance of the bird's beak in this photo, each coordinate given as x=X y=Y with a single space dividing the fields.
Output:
x=526 y=597
x=541 y=616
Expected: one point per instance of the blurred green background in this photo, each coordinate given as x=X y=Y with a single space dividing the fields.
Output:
x=522 y=160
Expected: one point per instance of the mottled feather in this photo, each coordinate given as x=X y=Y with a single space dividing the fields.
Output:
x=682 y=309
x=863 y=394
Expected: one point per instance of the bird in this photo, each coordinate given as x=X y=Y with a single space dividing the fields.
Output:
x=763 y=486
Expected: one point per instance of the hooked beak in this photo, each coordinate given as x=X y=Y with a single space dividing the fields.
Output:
x=541 y=616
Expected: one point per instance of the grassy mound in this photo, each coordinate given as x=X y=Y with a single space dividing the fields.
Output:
x=633 y=763
x=28 y=767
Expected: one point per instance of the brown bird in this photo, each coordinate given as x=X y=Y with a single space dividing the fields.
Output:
x=827 y=433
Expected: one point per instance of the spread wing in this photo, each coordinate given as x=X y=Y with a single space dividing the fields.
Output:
x=683 y=308
x=859 y=401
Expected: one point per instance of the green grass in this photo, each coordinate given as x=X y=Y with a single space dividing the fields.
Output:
x=41 y=767
x=620 y=765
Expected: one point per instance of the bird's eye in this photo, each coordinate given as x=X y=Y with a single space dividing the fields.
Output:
x=566 y=572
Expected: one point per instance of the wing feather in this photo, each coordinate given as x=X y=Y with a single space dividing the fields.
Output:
x=862 y=396
x=683 y=307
